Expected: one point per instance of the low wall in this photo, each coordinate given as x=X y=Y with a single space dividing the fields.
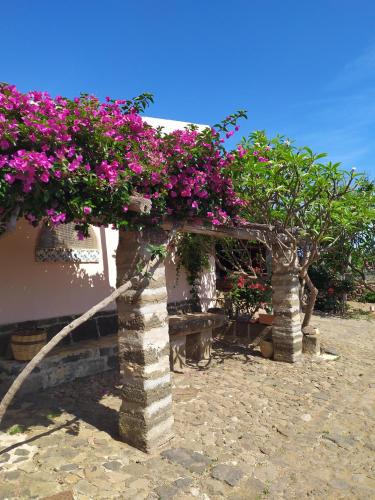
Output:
x=102 y=324
x=63 y=365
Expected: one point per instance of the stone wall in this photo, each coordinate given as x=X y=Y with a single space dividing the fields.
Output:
x=102 y=324
x=64 y=365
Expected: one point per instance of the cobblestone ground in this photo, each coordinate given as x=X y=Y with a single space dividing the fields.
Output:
x=246 y=428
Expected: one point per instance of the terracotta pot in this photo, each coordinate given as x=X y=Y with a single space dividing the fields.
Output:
x=224 y=285
x=266 y=319
x=266 y=348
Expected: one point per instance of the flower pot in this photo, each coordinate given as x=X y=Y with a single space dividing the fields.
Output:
x=266 y=348
x=26 y=344
x=224 y=285
x=266 y=319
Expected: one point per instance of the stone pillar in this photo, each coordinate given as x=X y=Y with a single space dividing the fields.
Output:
x=146 y=419
x=286 y=328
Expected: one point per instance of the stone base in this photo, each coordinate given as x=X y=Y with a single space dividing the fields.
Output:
x=266 y=348
x=198 y=345
x=147 y=427
x=287 y=349
x=311 y=340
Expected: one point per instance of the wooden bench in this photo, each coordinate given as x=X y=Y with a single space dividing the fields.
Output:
x=190 y=336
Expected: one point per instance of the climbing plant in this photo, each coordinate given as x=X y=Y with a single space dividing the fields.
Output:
x=193 y=251
x=78 y=160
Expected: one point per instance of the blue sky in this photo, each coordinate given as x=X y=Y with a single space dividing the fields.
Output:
x=301 y=68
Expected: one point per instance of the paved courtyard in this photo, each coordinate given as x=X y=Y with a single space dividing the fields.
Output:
x=246 y=428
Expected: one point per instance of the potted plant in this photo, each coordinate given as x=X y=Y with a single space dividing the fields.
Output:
x=248 y=295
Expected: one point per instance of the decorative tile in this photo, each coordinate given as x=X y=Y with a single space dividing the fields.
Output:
x=84 y=255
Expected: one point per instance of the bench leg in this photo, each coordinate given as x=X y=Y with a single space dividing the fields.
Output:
x=198 y=345
x=177 y=357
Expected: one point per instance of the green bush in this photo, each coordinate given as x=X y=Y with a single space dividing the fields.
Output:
x=332 y=287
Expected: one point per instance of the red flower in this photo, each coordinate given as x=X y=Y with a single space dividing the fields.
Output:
x=331 y=291
x=241 y=282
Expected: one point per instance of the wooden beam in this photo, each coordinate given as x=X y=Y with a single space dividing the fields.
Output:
x=199 y=226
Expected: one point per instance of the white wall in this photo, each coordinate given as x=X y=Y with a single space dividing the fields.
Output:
x=31 y=290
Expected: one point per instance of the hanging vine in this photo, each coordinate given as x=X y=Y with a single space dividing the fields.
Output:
x=193 y=251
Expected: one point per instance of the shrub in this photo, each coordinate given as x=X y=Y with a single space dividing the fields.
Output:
x=369 y=297
x=332 y=286
x=248 y=295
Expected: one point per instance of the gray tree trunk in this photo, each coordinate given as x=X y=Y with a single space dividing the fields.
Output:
x=311 y=302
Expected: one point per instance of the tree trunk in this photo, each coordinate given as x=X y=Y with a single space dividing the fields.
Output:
x=7 y=399
x=311 y=302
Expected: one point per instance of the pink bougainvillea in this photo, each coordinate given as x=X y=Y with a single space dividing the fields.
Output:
x=79 y=160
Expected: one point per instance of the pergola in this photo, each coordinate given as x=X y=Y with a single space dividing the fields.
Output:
x=146 y=416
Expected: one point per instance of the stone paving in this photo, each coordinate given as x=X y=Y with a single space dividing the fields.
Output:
x=246 y=428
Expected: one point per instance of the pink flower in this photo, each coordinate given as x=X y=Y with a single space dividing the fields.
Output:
x=30 y=217
x=87 y=210
x=136 y=167
x=125 y=208
x=215 y=222
x=9 y=178
x=195 y=204
x=44 y=177
x=55 y=217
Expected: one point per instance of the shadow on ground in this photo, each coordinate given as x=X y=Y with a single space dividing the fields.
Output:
x=96 y=400
x=38 y=411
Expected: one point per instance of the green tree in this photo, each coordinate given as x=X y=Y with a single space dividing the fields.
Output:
x=308 y=205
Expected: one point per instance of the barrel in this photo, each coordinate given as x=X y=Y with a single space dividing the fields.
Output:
x=26 y=344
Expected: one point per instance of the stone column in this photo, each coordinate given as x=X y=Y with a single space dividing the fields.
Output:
x=286 y=329
x=146 y=419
